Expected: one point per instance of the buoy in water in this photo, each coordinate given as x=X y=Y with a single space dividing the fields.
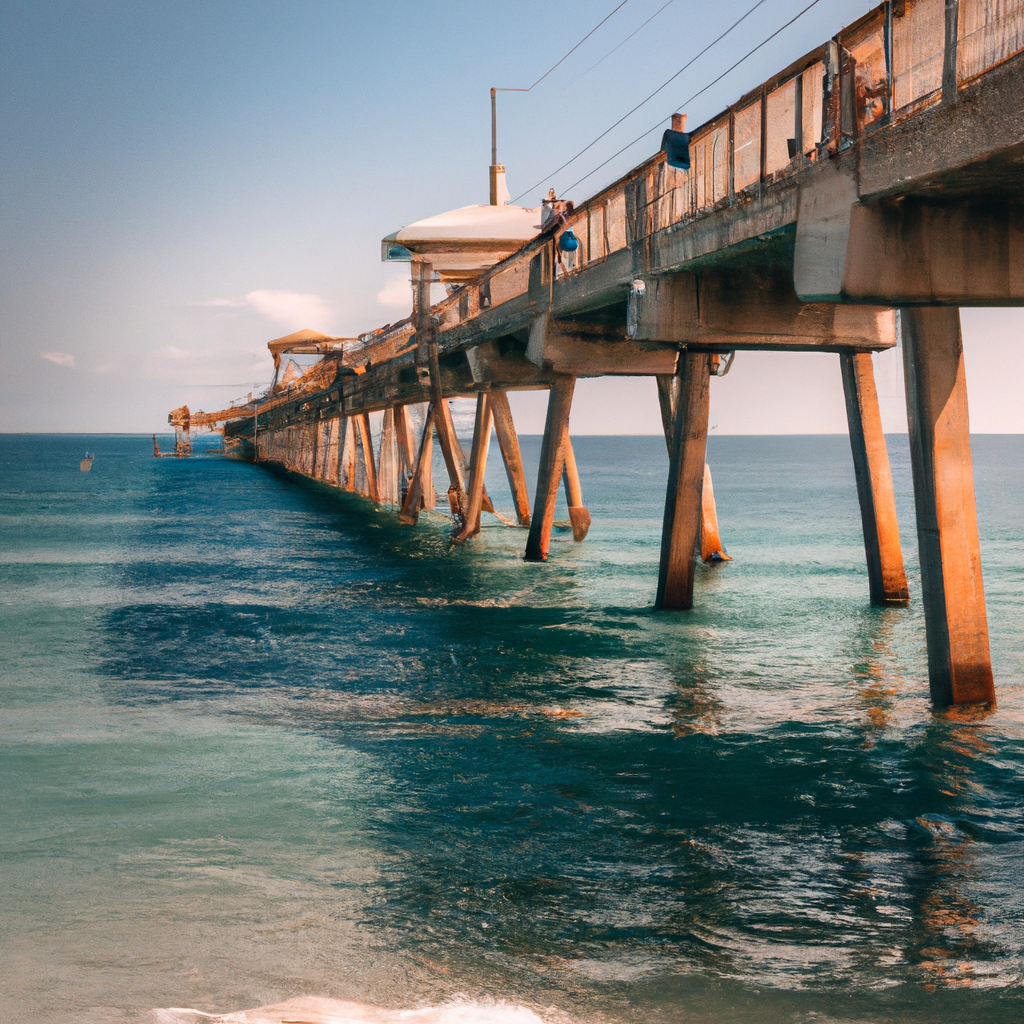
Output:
x=86 y=464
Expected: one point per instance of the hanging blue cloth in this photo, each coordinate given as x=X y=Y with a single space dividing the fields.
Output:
x=568 y=242
x=677 y=149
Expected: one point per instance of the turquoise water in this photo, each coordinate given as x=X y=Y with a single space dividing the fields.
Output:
x=259 y=742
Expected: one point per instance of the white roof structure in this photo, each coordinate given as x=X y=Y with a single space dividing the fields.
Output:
x=463 y=243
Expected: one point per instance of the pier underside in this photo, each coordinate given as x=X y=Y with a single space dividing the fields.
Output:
x=854 y=198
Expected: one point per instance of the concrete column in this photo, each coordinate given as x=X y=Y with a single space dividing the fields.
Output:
x=959 y=663
x=552 y=457
x=685 y=483
x=887 y=579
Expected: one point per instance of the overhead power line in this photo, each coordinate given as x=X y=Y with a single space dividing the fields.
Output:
x=630 y=113
x=571 y=52
x=700 y=92
x=623 y=43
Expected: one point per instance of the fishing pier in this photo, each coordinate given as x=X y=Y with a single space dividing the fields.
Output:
x=872 y=187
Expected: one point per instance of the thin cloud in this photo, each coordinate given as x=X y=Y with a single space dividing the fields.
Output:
x=396 y=293
x=292 y=309
x=60 y=358
x=221 y=304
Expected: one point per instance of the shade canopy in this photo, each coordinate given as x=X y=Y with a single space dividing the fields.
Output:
x=305 y=342
x=465 y=242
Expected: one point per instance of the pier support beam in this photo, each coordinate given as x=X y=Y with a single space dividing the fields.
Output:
x=578 y=515
x=887 y=579
x=454 y=458
x=668 y=394
x=478 y=466
x=366 y=440
x=406 y=450
x=347 y=456
x=508 y=442
x=711 y=547
x=387 y=461
x=552 y=455
x=685 y=483
x=420 y=491
x=959 y=663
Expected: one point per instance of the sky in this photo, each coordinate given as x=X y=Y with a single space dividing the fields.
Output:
x=182 y=182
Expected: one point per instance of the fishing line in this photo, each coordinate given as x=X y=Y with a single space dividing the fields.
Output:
x=700 y=92
x=642 y=102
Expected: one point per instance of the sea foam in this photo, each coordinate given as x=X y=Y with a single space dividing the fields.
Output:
x=318 y=1010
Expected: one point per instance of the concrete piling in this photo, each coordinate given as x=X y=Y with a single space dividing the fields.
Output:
x=887 y=579
x=956 y=625
x=685 y=483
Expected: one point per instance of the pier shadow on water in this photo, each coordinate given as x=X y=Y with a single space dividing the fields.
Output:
x=567 y=800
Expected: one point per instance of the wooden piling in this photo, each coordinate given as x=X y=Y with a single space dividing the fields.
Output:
x=711 y=547
x=887 y=579
x=956 y=625
x=454 y=457
x=451 y=450
x=406 y=448
x=552 y=455
x=685 y=483
x=347 y=456
x=426 y=466
x=579 y=517
x=325 y=448
x=668 y=394
x=478 y=467
x=330 y=467
x=387 y=461
x=366 y=440
x=508 y=443
x=420 y=482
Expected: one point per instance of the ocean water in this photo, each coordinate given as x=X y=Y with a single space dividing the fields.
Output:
x=260 y=744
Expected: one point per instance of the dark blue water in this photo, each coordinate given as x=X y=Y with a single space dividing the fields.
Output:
x=259 y=741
